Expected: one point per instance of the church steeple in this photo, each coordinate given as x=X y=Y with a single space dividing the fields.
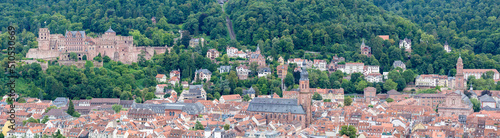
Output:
x=459 y=82
x=305 y=96
x=304 y=75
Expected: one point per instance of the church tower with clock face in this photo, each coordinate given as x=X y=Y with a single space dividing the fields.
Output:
x=459 y=77
x=305 y=96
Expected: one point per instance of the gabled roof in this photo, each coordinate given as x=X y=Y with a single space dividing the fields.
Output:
x=160 y=75
x=231 y=97
x=265 y=69
x=486 y=98
x=225 y=67
x=204 y=71
x=275 y=105
x=110 y=30
x=73 y=33
x=393 y=92
x=57 y=113
x=249 y=91
x=242 y=66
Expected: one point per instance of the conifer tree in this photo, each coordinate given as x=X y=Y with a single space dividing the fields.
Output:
x=71 y=108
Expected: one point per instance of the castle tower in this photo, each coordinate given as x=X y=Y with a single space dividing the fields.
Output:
x=257 y=51
x=459 y=77
x=305 y=96
x=109 y=34
x=44 y=39
x=110 y=31
x=362 y=45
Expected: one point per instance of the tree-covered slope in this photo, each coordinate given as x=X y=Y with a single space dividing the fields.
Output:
x=96 y=16
x=467 y=24
x=312 y=24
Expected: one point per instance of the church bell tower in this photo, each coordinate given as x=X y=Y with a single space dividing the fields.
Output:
x=305 y=96
x=459 y=77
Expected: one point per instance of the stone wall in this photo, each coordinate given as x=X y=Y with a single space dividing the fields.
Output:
x=38 y=54
x=78 y=64
x=44 y=65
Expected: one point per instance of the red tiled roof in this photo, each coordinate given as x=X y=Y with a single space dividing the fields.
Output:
x=479 y=70
x=433 y=76
x=354 y=63
x=385 y=37
x=175 y=78
x=160 y=75
x=231 y=97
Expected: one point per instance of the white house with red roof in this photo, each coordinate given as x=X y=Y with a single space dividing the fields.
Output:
x=174 y=80
x=229 y=98
x=175 y=73
x=320 y=64
x=161 y=78
x=231 y=51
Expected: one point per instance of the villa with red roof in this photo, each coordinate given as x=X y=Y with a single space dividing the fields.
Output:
x=161 y=78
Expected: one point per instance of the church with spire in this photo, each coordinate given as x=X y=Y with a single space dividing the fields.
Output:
x=456 y=102
x=459 y=77
x=118 y=48
x=286 y=111
x=365 y=50
x=305 y=96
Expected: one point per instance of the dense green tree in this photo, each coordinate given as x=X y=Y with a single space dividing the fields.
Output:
x=408 y=75
x=316 y=96
x=217 y=95
x=401 y=84
x=45 y=119
x=198 y=126
x=238 y=90
x=71 y=108
x=390 y=85
x=476 y=104
x=31 y=120
x=73 y=56
x=233 y=80
x=347 y=101
x=389 y=100
x=246 y=98
x=360 y=87
x=349 y=131
x=106 y=59
x=117 y=108
x=289 y=80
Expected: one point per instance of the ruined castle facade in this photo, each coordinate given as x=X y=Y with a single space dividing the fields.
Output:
x=118 y=48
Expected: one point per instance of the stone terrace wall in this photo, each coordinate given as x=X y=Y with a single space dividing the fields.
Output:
x=78 y=64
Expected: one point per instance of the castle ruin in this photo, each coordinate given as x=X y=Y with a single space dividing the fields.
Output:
x=118 y=48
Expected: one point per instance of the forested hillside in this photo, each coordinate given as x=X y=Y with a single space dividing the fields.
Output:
x=287 y=28
x=124 y=16
x=466 y=24
x=314 y=24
